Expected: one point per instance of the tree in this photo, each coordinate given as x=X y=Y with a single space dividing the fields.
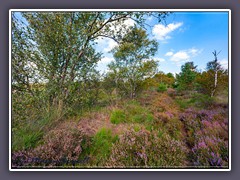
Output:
x=167 y=79
x=215 y=67
x=205 y=82
x=63 y=43
x=132 y=64
x=214 y=79
x=22 y=71
x=186 y=78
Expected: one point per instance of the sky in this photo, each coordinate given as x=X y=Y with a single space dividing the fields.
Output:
x=183 y=37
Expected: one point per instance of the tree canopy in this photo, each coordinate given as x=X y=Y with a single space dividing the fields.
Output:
x=186 y=78
x=132 y=60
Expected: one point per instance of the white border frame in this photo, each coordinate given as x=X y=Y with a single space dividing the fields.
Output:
x=106 y=10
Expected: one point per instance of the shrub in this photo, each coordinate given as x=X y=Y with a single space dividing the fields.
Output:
x=210 y=152
x=207 y=135
x=118 y=116
x=144 y=149
x=61 y=147
x=162 y=87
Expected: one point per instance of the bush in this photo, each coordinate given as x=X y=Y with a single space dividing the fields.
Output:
x=144 y=149
x=61 y=147
x=207 y=135
x=210 y=152
x=162 y=87
x=61 y=144
x=118 y=116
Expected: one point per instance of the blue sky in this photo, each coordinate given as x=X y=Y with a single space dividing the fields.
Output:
x=184 y=36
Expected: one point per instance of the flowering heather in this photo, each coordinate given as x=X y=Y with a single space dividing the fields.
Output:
x=60 y=147
x=210 y=151
x=207 y=132
x=145 y=149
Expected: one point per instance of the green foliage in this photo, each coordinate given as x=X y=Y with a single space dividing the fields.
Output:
x=24 y=139
x=186 y=78
x=129 y=68
x=205 y=82
x=183 y=103
x=170 y=75
x=135 y=113
x=201 y=100
x=197 y=100
x=118 y=116
x=162 y=87
x=131 y=112
x=160 y=77
x=101 y=146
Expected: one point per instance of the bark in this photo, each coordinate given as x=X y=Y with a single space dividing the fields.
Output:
x=215 y=83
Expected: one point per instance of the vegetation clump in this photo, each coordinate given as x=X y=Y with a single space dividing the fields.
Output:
x=162 y=87
x=144 y=149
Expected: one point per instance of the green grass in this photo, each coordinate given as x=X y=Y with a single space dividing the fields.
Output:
x=101 y=146
x=135 y=113
x=196 y=100
x=131 y=112
x=29 y=134
x=118 y=116
x=26 y=138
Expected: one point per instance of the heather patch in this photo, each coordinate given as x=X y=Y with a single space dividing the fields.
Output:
x=144 y=149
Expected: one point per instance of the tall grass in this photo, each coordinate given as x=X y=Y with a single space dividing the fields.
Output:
x=101 y=146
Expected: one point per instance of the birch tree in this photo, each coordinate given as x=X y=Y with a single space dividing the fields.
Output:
x=133 y=61
x=215 y=67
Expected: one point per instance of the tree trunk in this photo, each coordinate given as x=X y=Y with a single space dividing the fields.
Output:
x=215 y=83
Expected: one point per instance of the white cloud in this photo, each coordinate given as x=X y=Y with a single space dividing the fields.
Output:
x=180 y=56
x=194 y=51
x=161 y=31
x=159 y=59
x=169 y=53
x=224 y=63
x=184 y=55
